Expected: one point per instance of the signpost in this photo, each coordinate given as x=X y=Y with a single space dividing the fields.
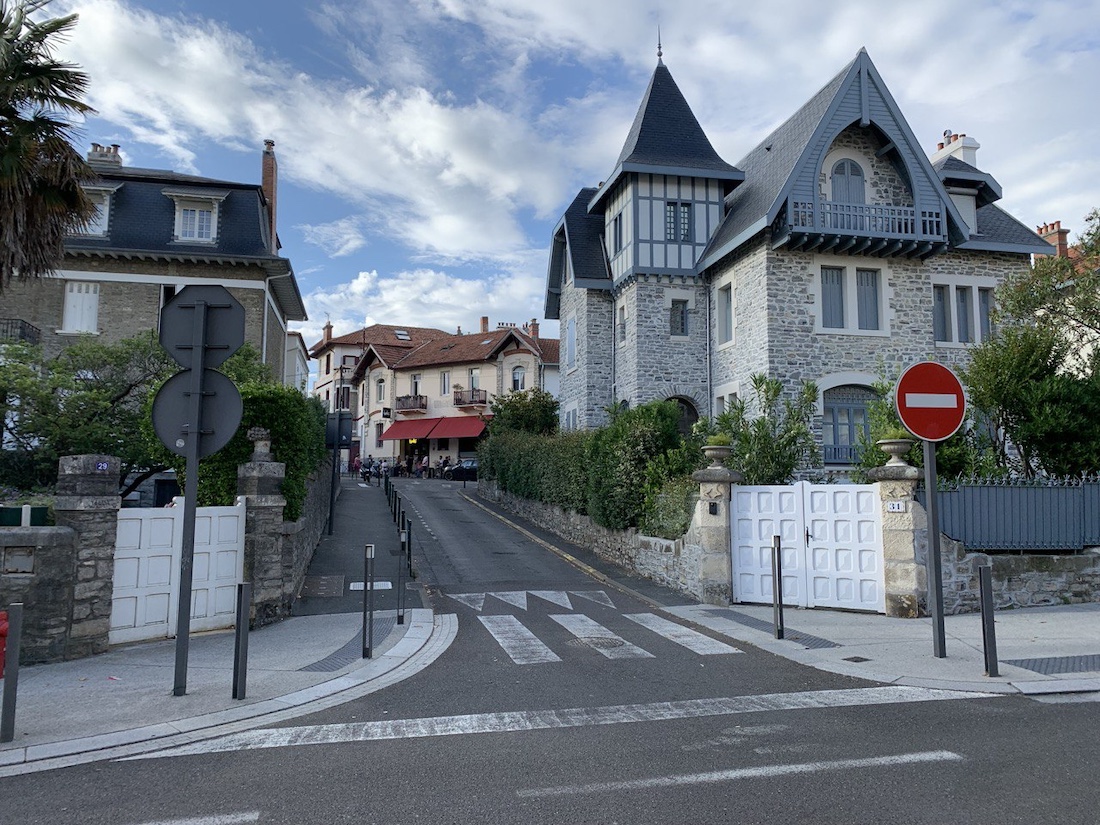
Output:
x=931 y=404
x=196 y=412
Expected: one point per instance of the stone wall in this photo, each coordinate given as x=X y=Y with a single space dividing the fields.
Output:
x=38 y=569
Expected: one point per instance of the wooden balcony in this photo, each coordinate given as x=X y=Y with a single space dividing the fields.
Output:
x=13 y=329
x=411 y=403
x=471 y=398
x=877 y=230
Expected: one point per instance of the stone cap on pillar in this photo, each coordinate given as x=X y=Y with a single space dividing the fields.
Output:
x=88 y=475
x=717 y=475
x=895 y=472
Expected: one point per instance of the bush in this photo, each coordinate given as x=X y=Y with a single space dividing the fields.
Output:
x=668 y=511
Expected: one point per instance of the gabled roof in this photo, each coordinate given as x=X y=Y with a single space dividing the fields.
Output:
x=773 y=167
x=383 y=334
x=956 y=172
x=577 y=239
x=465 y=349
x=666 y=138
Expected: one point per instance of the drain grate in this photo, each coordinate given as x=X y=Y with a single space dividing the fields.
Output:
x=597 y=642
x=804 y=639
x=1059 y=664
x=353 y=651
x=323 y=587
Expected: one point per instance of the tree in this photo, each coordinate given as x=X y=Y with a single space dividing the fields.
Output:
x=41 y=199
x=532 y=411
x=768 y=448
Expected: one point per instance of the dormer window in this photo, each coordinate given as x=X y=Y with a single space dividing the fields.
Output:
x=847 y=182
x=99 y=223
x=196 y=214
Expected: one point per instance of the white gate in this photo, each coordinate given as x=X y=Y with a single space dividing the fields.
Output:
x=147 y=563
x=831 y=540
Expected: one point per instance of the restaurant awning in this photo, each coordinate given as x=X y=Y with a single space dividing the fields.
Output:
x=465 y=426
x=414 y=428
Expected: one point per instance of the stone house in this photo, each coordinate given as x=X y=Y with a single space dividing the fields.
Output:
x=835 y=251
x=416 y=391
x=154 y=233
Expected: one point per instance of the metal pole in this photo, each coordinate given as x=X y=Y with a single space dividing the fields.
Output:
x=777 y=587
x=240 y=645
x=11 y=672
x=989 y=631
x=401 y=583
x=409 y=546
x=934 y=564
x=368 y=601
x=190 y=498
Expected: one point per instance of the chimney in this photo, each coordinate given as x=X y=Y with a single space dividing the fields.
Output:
x=326 y=332
x=484 y=323
x=105 y=156
x=533 y=328
x=269 y=183
x=1056 y=236
x=960 y=146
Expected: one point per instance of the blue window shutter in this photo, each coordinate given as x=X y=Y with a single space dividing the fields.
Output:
x=832 y=297
x=867 y=298
x=939 y=313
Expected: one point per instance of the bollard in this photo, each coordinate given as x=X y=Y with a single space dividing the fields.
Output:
x=777 y=587
x=409 y=547
x=402 y=535
x=989 y=632
x=368 y=601
x=11 y=672
x=240 y=643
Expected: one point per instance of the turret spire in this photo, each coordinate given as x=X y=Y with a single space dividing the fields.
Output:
x=660 y=54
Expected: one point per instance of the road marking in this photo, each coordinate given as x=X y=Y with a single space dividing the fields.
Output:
x=518 y=642
x=516 y=598
x=597 y=596
x=374 y=586
x=683 y=636
x=518 y=721
x=763 y=772
x=472 y=600
x=932 y=400
x=585 y=628
x=223 y=819
x=558 y=597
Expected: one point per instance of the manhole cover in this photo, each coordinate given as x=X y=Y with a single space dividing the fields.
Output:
x=598 y=642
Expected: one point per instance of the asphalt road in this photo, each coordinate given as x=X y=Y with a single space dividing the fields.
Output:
x=562 y=699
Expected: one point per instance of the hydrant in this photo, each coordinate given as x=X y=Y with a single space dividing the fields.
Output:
x=3 y=639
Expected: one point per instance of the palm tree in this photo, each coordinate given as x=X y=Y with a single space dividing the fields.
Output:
x=41 y=199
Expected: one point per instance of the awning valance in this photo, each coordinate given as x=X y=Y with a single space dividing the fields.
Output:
x=415 y=428
x=465 y=426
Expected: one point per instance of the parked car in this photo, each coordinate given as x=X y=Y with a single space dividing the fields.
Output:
x=465 y=470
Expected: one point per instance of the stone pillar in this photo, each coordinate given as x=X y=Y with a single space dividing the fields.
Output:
x=904 y=540
x=259 y=483
x=88 y=503
x=712 y=527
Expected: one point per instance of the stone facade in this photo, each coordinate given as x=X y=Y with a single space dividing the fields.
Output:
x=586 y=385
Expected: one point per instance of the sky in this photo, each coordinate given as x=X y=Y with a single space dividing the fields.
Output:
x=427 y=148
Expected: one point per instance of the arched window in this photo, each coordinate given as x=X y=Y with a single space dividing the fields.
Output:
x=844 y=424
x=519 y=376
x=847 y=182
x=380 y=389
x=688 y=414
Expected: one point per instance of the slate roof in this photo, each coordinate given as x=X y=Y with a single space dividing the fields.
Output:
x=998 y=231
x=952 y=170
x=666 y=137
x=578 y=235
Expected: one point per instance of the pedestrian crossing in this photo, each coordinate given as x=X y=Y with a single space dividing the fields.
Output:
x=524 y=647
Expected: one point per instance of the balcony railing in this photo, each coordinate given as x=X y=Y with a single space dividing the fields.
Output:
x=471 y=398
x=12 y=329
x=411 y=403
x=860 y=228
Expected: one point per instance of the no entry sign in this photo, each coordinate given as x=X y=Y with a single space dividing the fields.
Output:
x=930 y=401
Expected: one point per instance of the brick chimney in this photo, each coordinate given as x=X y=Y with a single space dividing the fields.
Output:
x=960 y=146
x=1056 y=236
x=484 y=323
x=326 y=332
x=269 y=183
x=105 y=156
x=532 y=328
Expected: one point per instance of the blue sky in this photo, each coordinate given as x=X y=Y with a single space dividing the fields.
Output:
x=427 y=147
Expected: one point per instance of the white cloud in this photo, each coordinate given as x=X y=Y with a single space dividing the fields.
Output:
x=337 y=238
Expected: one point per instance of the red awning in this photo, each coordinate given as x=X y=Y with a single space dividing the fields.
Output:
x=414 y=428
x=463 y=426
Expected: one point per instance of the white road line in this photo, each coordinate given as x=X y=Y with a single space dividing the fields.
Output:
x=585 y=628
x=224 y=819
x=683 y=636
x=597 y=596
x=474 y=600
x=511 y=722
x=763 y=772
x=376 y=586
x=518 y=642
x=932 y=400
x=516 y=598
x=558 y=597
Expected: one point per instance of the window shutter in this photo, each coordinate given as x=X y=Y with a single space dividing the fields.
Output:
x=832 y=297
x=939 y=313
x=867 y=298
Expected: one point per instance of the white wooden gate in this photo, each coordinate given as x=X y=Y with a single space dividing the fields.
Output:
x=147 y=564
x=831 y=540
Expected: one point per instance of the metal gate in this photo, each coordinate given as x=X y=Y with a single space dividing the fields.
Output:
x=831 y=540
x=148 y=548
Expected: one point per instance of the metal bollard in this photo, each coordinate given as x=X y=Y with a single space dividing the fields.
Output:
x=368 y=601
x=777 y=587
x=240 y=644
x=989 y=632
x=11 y=672
x=401 y=580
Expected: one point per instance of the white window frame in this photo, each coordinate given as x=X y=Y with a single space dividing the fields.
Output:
x=415 y=381
x=100 y=224
x=979 y=326
x=725 y=314
x=380 y=389
x=519 y=378
x=571 y=343
x=851 y=296
x=198 y=202
x=687 y=296
x=444 y=383
x=81 y=308
x=473 y=375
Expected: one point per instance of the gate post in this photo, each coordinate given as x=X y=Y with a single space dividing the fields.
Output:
x=88 y=502
x=258 y=482
x=712 y=521
x=904 y=540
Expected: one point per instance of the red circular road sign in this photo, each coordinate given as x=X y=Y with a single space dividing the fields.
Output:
x=930 y=401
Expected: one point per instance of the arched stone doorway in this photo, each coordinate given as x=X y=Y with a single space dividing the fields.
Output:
x=689 y=414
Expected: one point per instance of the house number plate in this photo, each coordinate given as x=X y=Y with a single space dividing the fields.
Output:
x=895 y=507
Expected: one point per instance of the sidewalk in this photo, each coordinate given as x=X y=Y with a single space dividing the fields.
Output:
x=121 y=702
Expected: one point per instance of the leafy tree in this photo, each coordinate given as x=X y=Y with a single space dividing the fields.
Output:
x=532 y=411
x=768 y=448
x=41 y=200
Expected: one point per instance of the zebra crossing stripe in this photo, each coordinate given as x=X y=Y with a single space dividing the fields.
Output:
x=518 y=642
x=516 y=598
x=473 y=600
x=684 y=636
x=597 y=596
x=585 y=628
x=558 y=597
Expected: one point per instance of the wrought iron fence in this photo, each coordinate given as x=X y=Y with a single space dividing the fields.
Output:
x=13 y=329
